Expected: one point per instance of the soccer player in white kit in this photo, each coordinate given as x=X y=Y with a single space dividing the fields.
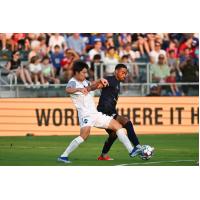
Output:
x=79 y=89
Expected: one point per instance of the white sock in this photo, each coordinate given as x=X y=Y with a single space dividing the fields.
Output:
x=72 y=146
x=121 y=134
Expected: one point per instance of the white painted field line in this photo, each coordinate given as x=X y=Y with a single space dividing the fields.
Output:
x=26 y=147
x=156 y=162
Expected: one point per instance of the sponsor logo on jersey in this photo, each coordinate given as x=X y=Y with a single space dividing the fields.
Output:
x=85 y=121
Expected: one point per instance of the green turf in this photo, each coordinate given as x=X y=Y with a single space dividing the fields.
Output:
x=170 y=150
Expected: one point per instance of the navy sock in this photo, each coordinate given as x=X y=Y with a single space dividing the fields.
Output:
x=131 y=133
x=109 y=142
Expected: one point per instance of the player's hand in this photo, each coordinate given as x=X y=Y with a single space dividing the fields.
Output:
x=104 y=82
x=83 y=90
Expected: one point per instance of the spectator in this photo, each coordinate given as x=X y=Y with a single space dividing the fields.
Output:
x=32 y=36
x=160 y=71
x=176 y=36
x=196 y=56
x=36 y=71
x=110 y=62
x=56 y=58
x=173 y=63
x=186 y=44
x=76 y=43
x=155 y=90
x=96 y=37
x=48 y=71
x=57 y=39
x=141 y=39
x=35 y=49
x=132 y=69
x=67 y=62
x=171 y=59
x=145 y=42
x=109 y=41
x=194 y=50
x=6 y=38
x=124 y=38
x=173 y=89
x=132 y=55
x=190 y=73
x=128 y=51
x=96 y=50
x=19 y=42
x=69 y=58
x=184 y=55
x=151 y=39
x=172 y=46
x=189 y=70
x=15 y=66
x=96 y=63
x=44 y=49
x=156 y=52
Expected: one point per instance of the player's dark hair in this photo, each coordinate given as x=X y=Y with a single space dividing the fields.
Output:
x=119 y=66
x=79 y=65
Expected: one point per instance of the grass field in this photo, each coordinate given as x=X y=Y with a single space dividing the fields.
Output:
x=170 y=150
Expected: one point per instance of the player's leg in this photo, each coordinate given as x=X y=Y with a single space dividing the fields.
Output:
x=107 y=145
x=127 y=124
x=84 y=133
x=121 y=134
x=107 y=122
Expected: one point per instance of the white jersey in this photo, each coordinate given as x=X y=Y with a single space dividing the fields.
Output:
x=84 y=103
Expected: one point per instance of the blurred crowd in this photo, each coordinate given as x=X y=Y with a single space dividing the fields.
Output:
x=173 y=57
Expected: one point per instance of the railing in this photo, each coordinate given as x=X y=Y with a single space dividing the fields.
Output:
x=101 y=65
x=58 y=90
x=12 y=89
x=145 y=87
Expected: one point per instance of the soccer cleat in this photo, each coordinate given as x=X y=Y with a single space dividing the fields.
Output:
x=64 y=159
x=136 y=151
x=104 y=158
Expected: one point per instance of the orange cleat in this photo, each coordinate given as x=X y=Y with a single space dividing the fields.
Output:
x=104 y=158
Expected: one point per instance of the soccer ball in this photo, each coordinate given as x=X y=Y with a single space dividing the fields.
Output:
x=147 y=152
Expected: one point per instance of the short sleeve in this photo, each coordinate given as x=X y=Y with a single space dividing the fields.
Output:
x=71 y=84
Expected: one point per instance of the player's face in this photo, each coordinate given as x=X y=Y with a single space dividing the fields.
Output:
x=121 y=74
x=81 y=75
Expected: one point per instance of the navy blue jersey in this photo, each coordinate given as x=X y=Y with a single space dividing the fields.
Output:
x=109 y=96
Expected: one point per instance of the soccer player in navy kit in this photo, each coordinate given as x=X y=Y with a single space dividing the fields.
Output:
x=107 y=105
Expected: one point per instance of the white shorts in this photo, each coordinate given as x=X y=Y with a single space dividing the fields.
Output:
x=35 y=68
x=98 y=120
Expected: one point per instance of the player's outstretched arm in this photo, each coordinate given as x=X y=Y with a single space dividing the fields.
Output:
x=71 y=90
x=99 y=84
